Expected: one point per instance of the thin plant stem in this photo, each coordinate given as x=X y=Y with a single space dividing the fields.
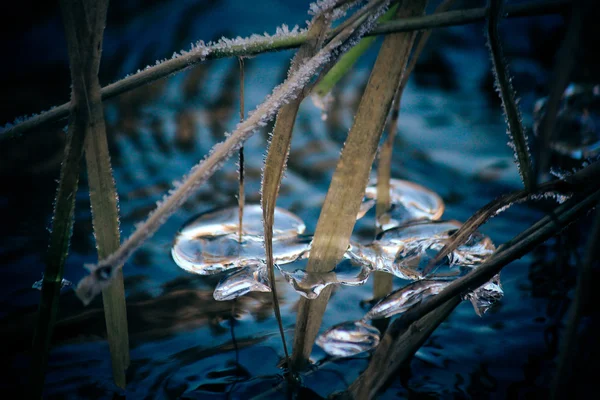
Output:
x=516 y=131
x=241 y=193
x=270 y=44
x=276 y=160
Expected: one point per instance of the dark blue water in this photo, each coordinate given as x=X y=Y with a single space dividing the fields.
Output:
x=452 y=140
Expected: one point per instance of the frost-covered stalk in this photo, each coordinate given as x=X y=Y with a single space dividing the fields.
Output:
x=516 y=132
x=256 y=44
x=241 y=192
x=84 y=28
x=101 y=273
x=278 y=151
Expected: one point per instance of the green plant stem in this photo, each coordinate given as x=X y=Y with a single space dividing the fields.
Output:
x=192 y=57
x=345 y=63
x=349 y=180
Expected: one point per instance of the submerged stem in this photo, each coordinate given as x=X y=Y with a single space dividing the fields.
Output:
x=241 y=193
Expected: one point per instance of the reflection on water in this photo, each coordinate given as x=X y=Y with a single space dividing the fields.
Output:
x=452 y=142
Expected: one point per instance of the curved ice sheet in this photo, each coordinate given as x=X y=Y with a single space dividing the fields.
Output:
x=253 y=278
x=210 y=243
x=403 y=299
x=349 y=338
x=408 y=201
x=310 y=284
x=405 y=251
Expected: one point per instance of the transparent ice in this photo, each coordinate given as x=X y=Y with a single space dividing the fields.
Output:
x=210 y=243
x=241 y=281
x=310 y=284
x=38 y=284
x=406 y=251
x=349 y=338
x=408 y=202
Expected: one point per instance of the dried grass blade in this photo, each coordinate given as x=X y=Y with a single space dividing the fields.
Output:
x=382 y=282
x=516 y=131
x=84 y=43
x=348 y=184
x=241 y=192
x=277 y=155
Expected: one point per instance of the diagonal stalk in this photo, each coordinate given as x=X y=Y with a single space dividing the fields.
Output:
x=516 y=131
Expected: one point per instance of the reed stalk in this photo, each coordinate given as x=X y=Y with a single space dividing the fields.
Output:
x=516 y=131
x=84 y=27
x=277 y=155
x=382 y=282
x=260 y=45
x=349 y=180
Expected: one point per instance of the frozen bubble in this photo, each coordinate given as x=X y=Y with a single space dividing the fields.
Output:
x=253 y=278
x=406 y=251
x=401 y=300
x=408 y=202
x=310 y=284
x=210 y=243
x=349 y=338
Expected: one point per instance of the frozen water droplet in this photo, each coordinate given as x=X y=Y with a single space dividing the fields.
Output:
x=253 y=278
x=484 y=297
x=310 y=284
x=210 y=243
x=403 y=299
x=38 y=284
x=405 y=251
x=408 y=202
x=349 y=338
